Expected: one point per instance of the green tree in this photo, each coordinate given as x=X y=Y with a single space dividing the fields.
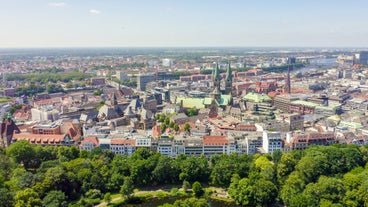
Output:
x=107 y=198
x=128 y=187
x=54 y=199
x=186 y=185
x=165 y=171
x=186 y=127
x=197 y=189
x=22 y=152
x=176 y=127
x=192 y=112
x=6 y=197
x=194 y=169
x=27 y=198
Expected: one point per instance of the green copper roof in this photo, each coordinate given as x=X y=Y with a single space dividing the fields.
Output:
x=305 y=103
x=225 y=100
x=191 y=102
x=207 y=101
x=257 y=98
x=334 y=118
x=328 y=108
x=200 y=103
x=350 y=125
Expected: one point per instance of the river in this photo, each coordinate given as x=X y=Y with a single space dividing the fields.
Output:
x=318 y=63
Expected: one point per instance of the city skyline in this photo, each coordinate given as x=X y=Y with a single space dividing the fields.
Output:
x=190 y=23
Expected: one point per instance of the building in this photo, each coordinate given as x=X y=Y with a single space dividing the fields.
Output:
x=295 y=120
x=272 y=141
x=229 y=80
x=9 y=92
x=47 y=113
x=283 y=102
x=122 y=146
x=166 y=62
x=122 y=76
x=89 y=143
x=215 y=145
x=143 y=79
x=299 y=141
x=8 y=129
x=98 y=81
x=362 y=57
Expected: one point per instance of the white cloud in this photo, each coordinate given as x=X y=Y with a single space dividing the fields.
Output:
x=94 y=11
x=57 y=4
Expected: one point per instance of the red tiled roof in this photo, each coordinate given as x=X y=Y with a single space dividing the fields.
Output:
x=156 y=131
x=93 y=140
x=50 y=139
x=209 y=140
x=71 y=130
x=120 y=141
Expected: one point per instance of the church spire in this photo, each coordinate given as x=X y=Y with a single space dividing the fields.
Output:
x=216 y=77
x=228 y=80
x=287 y=87
x=229 y=75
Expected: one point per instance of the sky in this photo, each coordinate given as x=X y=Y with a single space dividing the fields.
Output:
x=183 y=23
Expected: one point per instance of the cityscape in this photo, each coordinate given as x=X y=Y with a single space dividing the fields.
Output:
x=169 y=117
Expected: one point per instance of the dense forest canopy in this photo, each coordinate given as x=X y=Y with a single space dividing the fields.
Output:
x=33 y=175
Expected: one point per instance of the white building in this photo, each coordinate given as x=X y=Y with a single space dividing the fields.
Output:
x=45 y=114
x=167 y=62
x=272 y=141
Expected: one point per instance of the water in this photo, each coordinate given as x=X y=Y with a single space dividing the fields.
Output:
x=319 y=63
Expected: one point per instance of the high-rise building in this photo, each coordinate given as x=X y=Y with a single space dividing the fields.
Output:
x=143 y=79
x=361 y=58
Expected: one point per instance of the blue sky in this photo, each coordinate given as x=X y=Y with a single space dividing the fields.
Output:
x=168 y=23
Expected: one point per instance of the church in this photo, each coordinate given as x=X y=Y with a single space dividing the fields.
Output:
x=217 y=97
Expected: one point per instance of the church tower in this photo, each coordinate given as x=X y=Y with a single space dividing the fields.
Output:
x=216 y=77
x=287 y=87
x=228 y=80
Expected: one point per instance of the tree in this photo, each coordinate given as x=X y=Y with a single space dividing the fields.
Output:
x=192 y=112
x=22 y=152
x=186 y=185
x=176 y=127
x=27 y=198
x=194 y=169
x=54 y=199
x=107 y=198
x=97 y=92
x=93 y=193
x=128 y=187
x=6 y=197
x=197 y=189
x=186 y=127
x=165 y=171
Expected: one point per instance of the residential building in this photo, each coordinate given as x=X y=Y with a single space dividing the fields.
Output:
x=272 y=141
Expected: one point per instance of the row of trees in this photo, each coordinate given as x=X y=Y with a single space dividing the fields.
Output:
x=45 y=78
x=33 y=175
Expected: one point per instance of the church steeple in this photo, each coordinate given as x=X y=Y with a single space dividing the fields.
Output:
x=228 y=80
x=114 y=100
x=216 y=77
x=287 y=87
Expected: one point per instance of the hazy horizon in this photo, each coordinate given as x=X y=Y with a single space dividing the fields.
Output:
x=175 y=24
